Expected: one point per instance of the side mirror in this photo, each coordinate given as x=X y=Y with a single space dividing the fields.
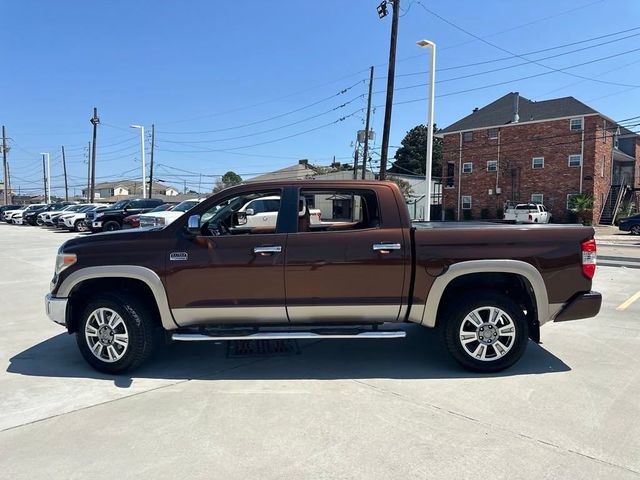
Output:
x=193 y=225
x=249 y=211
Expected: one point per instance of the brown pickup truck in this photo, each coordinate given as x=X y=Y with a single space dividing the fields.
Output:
x=358 y=272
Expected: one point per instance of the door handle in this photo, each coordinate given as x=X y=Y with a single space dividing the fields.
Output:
x=386 y=247
x=267 y=250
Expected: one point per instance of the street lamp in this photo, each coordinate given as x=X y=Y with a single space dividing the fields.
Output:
x=432 y=89
x=144 y=173
x=48 y=185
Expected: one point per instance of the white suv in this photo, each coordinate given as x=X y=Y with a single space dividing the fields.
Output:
x=165 y=218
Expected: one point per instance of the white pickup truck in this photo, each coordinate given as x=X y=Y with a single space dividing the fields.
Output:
x=527 y=213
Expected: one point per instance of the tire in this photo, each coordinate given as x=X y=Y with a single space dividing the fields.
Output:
x=469 y=320
x=111 y=226
x=635 y=230
x=102 y=332
x=80 y=226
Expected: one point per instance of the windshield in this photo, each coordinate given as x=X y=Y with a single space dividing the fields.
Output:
x=186 y=205
x=162 y=208
x=119 y=205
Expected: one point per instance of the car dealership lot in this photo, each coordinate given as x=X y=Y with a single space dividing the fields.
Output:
x=339 y=409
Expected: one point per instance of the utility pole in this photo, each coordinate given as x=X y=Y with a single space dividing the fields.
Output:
x=44 y=175
x=64 y=171
x=89 y=172
x=94 y=121
x=8 y=187
x=365 y=156
x=355 y=161
x=6 y=168
x=390 y=83
x=153 y=137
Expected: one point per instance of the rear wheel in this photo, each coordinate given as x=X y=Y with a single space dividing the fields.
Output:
x=110 y=226
x=115 y=332
x=80 y=226
x=487 y=332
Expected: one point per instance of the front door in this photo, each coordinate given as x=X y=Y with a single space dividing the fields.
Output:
x=227 y=274
x=345 y=269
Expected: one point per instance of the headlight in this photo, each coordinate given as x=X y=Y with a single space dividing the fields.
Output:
x=98 y=215
x=64 y=260
x=159 y=221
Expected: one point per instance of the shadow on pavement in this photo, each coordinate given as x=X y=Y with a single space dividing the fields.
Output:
x=418 y=356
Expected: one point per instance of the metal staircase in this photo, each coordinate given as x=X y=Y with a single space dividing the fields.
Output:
x=607 y=215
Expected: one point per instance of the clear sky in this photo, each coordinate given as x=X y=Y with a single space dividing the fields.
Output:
x=235 y=85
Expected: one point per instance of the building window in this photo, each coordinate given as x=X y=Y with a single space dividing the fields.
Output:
x=537 y=198
x=575 y=124
x=467 y=137
x=492 y=133
x=570 y=200
x=467 y=167
x=537 y=162
x=451 y=168
x=466 y=202
x=575 y=160
x=492 y=166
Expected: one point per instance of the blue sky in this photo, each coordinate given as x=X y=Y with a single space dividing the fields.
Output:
x=212 y=75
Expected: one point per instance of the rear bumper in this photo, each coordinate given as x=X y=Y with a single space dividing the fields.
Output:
x=584 y=305
x=56 y=309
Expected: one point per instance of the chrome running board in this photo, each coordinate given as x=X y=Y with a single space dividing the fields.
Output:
x=201 y=337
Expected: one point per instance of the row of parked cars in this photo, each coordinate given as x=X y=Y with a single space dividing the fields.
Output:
x=91 y=217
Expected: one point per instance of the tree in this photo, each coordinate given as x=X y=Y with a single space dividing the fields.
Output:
x=410 y=158
x=227 y=180
x=582 y=207
x=403 y=185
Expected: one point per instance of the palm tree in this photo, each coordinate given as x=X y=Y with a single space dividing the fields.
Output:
x=582 y=207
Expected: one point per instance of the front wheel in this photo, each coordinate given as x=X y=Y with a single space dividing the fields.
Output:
x=115 y=332
x=635 y=230
x=486 y=332
x=111 y=226
x=80 y=226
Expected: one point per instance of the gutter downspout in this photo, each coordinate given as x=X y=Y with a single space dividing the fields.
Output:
x=498 y=162
x=460 y=176
x=582 y=154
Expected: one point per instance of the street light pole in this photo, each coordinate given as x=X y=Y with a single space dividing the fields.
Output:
x=429 y=159
x=48 y=184
x=144 y=170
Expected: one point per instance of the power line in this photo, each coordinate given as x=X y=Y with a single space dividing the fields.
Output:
x=535 y=62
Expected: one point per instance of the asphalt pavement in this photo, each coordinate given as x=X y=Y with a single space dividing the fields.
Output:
x=348 y=409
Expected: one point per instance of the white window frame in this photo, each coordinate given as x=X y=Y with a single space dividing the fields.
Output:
x=493 y=162
x=533 y=163
x=569 y=195
x=463 y=201
x=574 y=155
x=470 y=167
x=579 y=119
x=489 y=130
x=540 y=195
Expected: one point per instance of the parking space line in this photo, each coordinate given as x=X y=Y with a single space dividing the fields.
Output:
x=624 y=305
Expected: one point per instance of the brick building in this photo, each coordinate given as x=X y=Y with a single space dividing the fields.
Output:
x=519 y=150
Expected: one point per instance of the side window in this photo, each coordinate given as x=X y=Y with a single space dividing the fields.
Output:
x=334 y=210
x=244 y=214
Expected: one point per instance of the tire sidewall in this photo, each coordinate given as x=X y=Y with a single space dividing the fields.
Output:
x=635 y=230
x=137 y=329
x=105 y=226
x=477 y=299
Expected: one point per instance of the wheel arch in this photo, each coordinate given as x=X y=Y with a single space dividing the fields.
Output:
x=141 y=280
x=485 y=274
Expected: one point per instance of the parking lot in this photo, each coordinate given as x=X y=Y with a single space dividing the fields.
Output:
x=337 y=409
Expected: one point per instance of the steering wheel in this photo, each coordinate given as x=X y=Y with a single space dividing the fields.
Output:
x=218 y=229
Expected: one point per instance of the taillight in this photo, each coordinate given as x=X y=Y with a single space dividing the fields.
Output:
x=588 y=248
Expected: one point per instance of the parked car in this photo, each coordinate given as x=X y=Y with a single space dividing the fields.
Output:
x=111 y=219
x=30 y=218
x=77 y=221
x=5 y=208
x=47 y=217
x=17 y=218
x=153 y=218
x=34 y=218
x=630 y=224
x=527 y=213
x=133 y=221
x=263 y=212
x=7 y=214
x=487 y=287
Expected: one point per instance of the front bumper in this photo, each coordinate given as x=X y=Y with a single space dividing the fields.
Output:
x=583 y=305
x=56 y=309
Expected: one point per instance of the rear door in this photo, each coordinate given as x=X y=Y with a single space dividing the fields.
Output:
x=350 y=266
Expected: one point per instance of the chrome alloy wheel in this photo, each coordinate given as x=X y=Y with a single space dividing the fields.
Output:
x=487 y=333
x=106 y=335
